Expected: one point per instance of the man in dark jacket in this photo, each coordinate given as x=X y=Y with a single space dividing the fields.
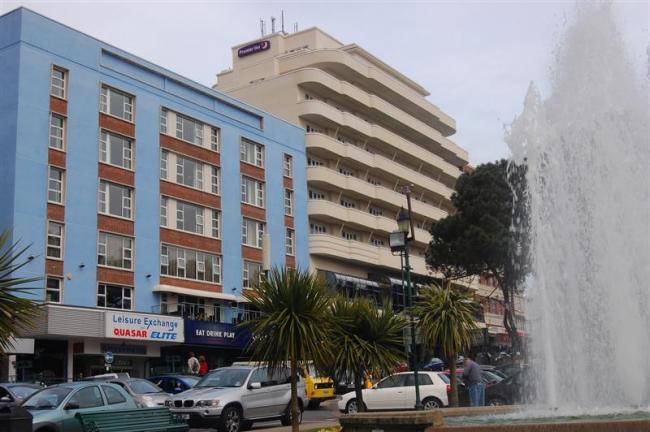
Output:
x=474 y=383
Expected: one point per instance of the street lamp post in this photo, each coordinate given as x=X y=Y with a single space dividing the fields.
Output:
x=399 y=241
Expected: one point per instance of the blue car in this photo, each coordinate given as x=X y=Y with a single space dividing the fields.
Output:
x=174 y=383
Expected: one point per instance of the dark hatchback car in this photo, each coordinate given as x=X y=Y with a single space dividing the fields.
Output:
x=510 y=391
x=15 y=393
x=489 y=379
x=174 y=384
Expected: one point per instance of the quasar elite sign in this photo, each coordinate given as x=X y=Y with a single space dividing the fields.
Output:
x=144 y=327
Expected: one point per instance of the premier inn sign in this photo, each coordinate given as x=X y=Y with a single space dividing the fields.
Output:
x=254 y=48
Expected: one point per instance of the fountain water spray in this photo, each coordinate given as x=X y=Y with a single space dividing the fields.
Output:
x=587 y=147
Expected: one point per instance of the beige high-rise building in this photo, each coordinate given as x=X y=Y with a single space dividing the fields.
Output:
x=370 y=130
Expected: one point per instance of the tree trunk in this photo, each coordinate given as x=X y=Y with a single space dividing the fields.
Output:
x=359 y=385
x=453 y=396
x=508 y=302
x=295 y=425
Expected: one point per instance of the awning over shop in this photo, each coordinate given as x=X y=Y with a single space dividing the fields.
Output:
x=192 y=292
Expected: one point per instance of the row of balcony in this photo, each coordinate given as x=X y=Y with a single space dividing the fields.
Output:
x=360 y=220
x=339 y=248
x=407 y=98
x=389 y=168
x=324 y=177
x=318 y=79
x=322 y=113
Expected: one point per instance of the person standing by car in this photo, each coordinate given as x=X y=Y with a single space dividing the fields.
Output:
x=193 y=365
x=475 y=386
x=203 y=366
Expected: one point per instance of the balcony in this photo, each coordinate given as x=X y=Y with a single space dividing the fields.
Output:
x=338 y=248
x=319 y=111
x=322 y=143
x=325 y=177
x=328 y=210
x=319 y=81
x=347 y=66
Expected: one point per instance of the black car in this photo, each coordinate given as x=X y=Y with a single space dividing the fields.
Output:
x=510 y=391
x=489 y=379
x=15 y=393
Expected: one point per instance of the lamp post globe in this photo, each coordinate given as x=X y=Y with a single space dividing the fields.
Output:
x=403 y=220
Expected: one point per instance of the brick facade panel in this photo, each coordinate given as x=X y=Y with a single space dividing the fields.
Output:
x=183 y=193
x=55 y=212
x=115 y=225
x=54 y=267
x=191 y=150
x=190 y=241
x=253 y=212
x=291 y=261
x=56 y=158
x=58 y=106
x=251 y=171
x=288 y=221
x=287 y=182
x=114 y=124
x=114 y=276
x=252 y=254
x=116 y=174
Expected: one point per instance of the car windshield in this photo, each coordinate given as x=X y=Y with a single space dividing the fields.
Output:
x=224 y=378
x=143 y=387
x=492 y=377
x=191 y=381
x=22 y=391
x=48 y=398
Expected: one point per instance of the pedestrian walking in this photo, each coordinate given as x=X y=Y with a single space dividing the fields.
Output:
x=203 y=366
x=193 y=365
x=475 y=385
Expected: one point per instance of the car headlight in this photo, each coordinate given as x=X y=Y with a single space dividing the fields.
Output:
x=208 y=403
x=168 y=403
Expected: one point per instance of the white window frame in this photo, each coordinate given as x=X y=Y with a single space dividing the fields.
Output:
x=258 y=198
x=106 y=148
x=260 y=228
x=288 y=202
x=59 y=137
x=290 y=241
x=288 y=166
x=127 y=250
x=164 y=160
x=60 y=237
x=317 y=228
x=60 y=190
x=215 y=139
x=181 y=263
x=251 y=153
x=215 y=229
x=180 y=171
x=55 y=85
x=163 y=211
x=246 y=276
x=197 y=139
x=59 y=289
x=124 y=290
x=104 y=200
x=215 y=179
x=128 y=104
x=163 y=120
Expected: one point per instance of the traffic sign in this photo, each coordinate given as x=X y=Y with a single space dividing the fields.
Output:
x=108 y=357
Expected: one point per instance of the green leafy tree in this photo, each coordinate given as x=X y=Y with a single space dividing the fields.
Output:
x=365 y=339
x=447 y=320
x=293 y=326
x=17 y=313
x=488 y=234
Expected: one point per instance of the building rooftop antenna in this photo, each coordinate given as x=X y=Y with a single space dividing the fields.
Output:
x=282 y=20
x=262 y=27
x=295 y=27
x=272 y=25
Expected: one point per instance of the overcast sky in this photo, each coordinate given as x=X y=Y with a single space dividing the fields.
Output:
x=475 y=58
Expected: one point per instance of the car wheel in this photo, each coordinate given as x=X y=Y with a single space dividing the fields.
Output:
x=286 y=417
x=313 y=404
x=495 y=402
x=352 y=407
x=230 y=420
x=431 y=403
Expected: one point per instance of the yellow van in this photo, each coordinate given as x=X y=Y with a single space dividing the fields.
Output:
x=318 y=388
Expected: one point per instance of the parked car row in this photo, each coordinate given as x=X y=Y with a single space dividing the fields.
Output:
x=228 y=399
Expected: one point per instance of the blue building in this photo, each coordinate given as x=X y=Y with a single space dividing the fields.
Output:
x=150 y=203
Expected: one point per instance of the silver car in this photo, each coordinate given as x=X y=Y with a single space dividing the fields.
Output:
x=232 y=398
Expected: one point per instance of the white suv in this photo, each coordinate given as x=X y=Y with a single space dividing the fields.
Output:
x=232 y=398
x=397 y=392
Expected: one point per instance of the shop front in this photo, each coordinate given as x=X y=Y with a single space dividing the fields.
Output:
x=220 y=343
x=72 y=342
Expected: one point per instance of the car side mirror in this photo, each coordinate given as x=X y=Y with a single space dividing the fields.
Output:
x=254 y=386
x=71 y=406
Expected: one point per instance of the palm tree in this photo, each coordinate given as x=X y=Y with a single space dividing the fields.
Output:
x=366 y=339
x=447 y=319
x=17 y=313
x=293 y=325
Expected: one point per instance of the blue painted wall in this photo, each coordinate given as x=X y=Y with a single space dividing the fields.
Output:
x=29 y=45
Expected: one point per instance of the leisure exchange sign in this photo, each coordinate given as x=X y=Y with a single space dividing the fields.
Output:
x=143 y=327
